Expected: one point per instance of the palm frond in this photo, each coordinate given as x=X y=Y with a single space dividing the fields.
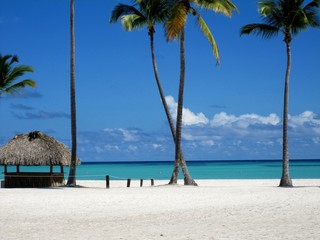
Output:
x=176 y=20
x=263 y=30
x=3 y=59
x=132 y=21
x=300 y=18
x=267 y=8
x=311 y=12
x=10 y=73
x=14 y=59
x=271 y=13
x=17 y=72
x=19 y=85
x=206 y=31
x=157 y=10
x=220 y=6
x=121 y=10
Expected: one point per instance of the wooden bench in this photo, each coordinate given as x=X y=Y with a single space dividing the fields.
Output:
x=33 y=179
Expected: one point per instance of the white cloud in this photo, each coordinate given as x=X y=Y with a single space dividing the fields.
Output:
x=305 y=120
x=226 y=136
x=243 y=121
x=209 y=143
x=188 y=117
x=110 y=147
x=127 y=135
x=316 y=140
x=156 y=146
x=98 y=149
x=132 y=148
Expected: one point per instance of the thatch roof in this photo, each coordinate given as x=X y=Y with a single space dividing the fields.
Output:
x=35 y=149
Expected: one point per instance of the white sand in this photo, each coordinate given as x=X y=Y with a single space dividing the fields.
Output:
x=218 y=209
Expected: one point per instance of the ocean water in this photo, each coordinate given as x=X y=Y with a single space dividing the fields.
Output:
x=268 y=169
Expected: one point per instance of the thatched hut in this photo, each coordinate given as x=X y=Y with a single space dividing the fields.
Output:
x=34 y=149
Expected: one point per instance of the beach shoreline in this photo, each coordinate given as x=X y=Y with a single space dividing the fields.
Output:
x=216 y=209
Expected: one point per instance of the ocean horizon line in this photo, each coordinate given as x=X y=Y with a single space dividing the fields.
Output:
x=197 y=161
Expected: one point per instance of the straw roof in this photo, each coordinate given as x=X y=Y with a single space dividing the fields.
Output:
x=35 y=149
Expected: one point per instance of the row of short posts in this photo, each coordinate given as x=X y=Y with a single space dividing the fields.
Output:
x=128 y=182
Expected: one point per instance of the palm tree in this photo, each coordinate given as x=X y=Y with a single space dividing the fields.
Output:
x=9 y=74
x=175 y=29
x=150 y=12
x=72 y=173
x=288 y=17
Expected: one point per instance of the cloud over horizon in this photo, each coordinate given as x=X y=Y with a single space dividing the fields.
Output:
x=188 y=117
x=41 y=115
x=225 y=136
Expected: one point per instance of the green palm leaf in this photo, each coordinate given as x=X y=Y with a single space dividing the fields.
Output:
x=264 y=30
x=123 y=9
x=176 y=20
x=132 y=21
x=9 y=74
x=206 y=31
x=19 y=85
x=220 y=6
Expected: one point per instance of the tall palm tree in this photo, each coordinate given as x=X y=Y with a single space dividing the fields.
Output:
x=10 y=72
x=72 y=173
x=288 y=17
x=149 y=13
x=175 y=29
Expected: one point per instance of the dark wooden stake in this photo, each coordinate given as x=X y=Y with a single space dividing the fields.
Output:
x=141 y=182
x=152 y=182
x=128 y=182
x=107 y=181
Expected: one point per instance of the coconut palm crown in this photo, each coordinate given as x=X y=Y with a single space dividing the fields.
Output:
x=10 y=72
x=142 y=13
x=288 y=17
x=182 y=8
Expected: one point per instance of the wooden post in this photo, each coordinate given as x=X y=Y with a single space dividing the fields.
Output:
x=18 y=168
x=152 y=182
x=141 y=182
x=128 y=182
x=5 y=169
x=61 y=169
x=51 y=169
x=107 y=181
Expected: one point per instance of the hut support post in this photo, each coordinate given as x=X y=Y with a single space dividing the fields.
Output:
x=18 y=168
x=51 y=169
x=61 y=169
x=5 y=169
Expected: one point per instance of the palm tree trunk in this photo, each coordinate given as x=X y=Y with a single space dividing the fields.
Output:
x=72 y=172
x=165 y=106
x=163 y=99
x=285 y=179
x=178 y=158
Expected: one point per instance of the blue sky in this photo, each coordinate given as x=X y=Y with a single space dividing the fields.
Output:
x=232 y=111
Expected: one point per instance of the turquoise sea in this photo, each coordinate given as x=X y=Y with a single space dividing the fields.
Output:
x=262 y=169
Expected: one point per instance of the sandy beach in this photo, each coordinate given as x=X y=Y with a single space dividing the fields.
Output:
x=217 y=209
